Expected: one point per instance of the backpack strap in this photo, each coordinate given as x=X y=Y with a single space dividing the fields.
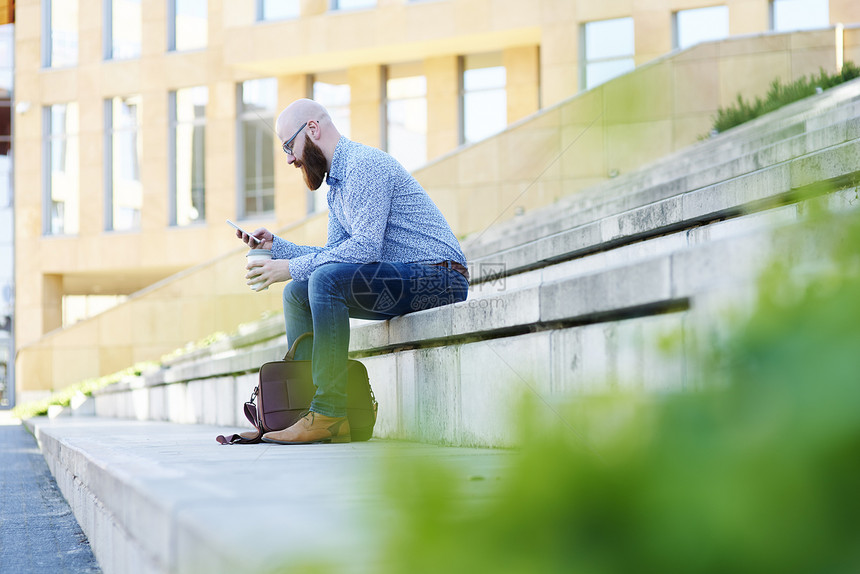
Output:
x=250 y=414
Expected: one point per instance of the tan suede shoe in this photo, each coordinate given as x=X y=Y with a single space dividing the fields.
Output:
x=313 y=427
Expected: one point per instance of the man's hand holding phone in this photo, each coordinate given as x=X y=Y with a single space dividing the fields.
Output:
x=260 y=239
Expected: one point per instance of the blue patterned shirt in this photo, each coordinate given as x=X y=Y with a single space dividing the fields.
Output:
x=377 y=212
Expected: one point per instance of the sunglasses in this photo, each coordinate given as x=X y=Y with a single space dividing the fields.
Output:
x=288 y=145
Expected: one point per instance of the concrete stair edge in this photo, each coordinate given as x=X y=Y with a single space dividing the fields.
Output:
x=514 y=232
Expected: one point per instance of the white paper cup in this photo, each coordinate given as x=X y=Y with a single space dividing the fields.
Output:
x=258 y=255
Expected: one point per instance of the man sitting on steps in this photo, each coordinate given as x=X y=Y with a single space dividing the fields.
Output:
x=389 y=251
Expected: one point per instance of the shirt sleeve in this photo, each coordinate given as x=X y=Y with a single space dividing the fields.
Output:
x=367 y=204
x=283 y=249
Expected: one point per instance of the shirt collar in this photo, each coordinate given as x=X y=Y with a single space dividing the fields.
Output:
x=338 y=162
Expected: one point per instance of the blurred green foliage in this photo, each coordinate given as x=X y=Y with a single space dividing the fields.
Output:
x=758 y=473
x=64 y=396
x=780 y=95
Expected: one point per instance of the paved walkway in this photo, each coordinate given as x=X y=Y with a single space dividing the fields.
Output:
x=160 y=497
x=38 y=533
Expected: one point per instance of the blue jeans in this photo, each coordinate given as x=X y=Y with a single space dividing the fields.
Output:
x=337 y=291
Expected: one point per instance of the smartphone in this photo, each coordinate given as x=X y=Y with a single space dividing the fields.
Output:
x=245 y=232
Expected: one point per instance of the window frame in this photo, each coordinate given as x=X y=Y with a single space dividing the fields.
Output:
x=241 y=117
x=386 y=100
x=584 y=60
x=171 y=30
x=109 y=176
x=260 y=16
x=108 y=34
x=676 y=26
x=334 y=6
x=462 y=68
x=48 y=142
x=316 y=199
x=771 y=5
x=47 y=39
x=173 y=125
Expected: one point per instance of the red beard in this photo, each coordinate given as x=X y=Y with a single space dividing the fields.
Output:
x=312 y=164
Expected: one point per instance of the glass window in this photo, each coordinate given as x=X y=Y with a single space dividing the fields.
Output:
x=484 y=99
x=59 y=33
x=124 y=186
x=406 y=114
x=122 y=34
x=700 y=25
x=188 y=25
x=188 y=155
x=788 y=15
x=332 y=91
x=7 y=58
x=352 y=4
x=607 y=51
x=258 y=100
x=62 y=161
x=278 y=9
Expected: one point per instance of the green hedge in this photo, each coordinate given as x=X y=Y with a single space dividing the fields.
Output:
x=64 y=397
x=780 y=95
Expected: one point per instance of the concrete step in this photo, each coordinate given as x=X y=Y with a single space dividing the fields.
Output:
x=454 y=375
x=166 y=498
x=815 y=127
x=693 y=173
x=655 y=211
x=810 y=114
x=591 y=205
x=805 y=116
x=570 y=303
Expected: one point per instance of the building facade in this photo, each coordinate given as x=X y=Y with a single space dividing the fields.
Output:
x=141 y=125
x=7 y=219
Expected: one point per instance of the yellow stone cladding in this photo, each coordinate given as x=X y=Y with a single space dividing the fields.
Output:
x=558 y=142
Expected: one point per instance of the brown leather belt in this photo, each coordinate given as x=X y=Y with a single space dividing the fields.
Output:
x=455 y=266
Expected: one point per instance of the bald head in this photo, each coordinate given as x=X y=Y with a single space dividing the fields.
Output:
x=298 y=113
x=307 y=125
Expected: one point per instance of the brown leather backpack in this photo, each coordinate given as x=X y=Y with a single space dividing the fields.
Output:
x=286 y=389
